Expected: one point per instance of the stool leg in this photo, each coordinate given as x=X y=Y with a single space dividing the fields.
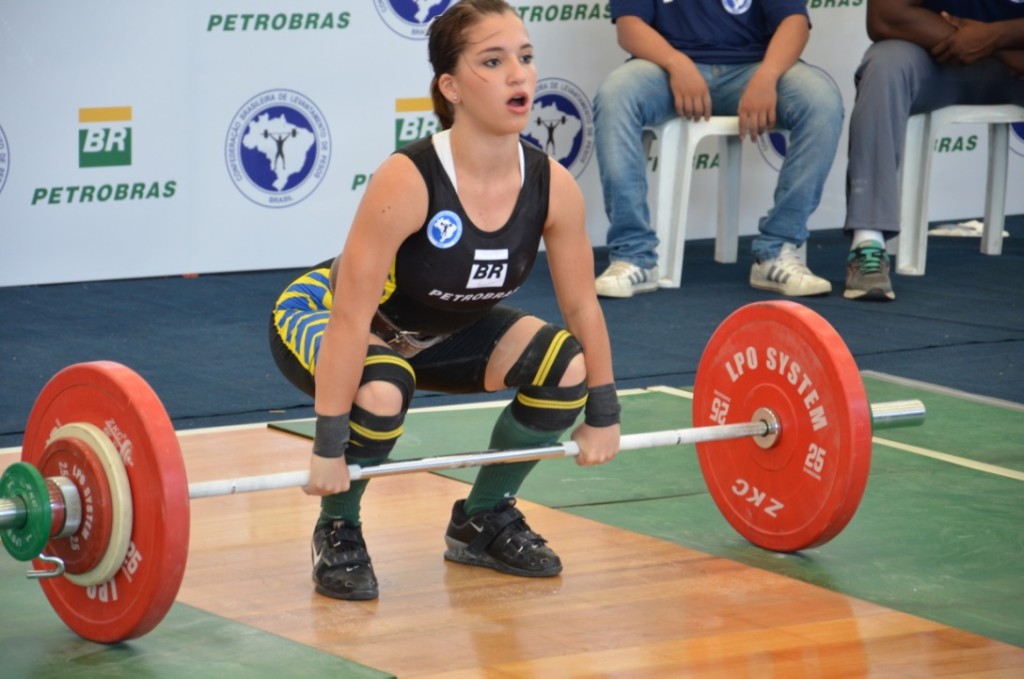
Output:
x=674 y=250
x=670 y=167
x=727 y=237
x=995 y=194
x=915 y=173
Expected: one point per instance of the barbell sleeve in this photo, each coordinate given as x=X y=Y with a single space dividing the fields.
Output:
x=12 y=512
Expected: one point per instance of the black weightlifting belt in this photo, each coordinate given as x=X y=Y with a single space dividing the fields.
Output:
x=404 y=342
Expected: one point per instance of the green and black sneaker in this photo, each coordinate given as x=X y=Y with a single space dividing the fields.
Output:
x=867 y=273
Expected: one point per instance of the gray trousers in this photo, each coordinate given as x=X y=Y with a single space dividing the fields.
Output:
x=895 y=80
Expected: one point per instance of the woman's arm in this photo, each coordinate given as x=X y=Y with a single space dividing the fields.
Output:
x=393 y=207
x=571 y=259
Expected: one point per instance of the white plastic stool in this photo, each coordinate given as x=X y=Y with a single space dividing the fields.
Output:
x=922 y=131
x=678 y=139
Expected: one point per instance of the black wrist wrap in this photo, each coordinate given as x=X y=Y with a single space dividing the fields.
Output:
x=603 y=407
x=331 y=435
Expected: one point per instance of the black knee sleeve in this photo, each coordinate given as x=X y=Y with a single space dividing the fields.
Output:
x=545 y=359
x=549 y=408
x=372 y=437
x=385 y=365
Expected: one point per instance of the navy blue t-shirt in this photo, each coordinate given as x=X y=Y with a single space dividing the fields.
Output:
x=714 y=31
x=980 y=10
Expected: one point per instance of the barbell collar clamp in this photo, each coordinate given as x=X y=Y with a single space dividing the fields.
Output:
x=46 y=573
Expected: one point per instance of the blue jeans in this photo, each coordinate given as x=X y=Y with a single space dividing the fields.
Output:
x=637 y=94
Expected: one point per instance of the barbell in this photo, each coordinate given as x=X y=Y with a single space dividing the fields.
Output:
x=100 y=498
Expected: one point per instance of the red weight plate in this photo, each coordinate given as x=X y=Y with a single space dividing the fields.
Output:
x=122 y=405
x=98 y=465
x=804 y=490
x=72 y=459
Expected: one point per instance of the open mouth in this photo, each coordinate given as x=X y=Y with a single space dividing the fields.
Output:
x=518 y=102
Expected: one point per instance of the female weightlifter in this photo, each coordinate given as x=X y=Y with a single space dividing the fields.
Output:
x=448 y=228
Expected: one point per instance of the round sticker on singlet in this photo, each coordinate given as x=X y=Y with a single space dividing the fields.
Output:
x=444 y=229
x=736 y=6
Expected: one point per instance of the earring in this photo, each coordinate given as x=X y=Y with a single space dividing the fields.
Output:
x=455 y=99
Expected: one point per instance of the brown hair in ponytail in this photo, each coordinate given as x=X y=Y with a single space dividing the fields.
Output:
x=447 y=40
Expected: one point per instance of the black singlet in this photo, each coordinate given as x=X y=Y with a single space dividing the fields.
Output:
x=450 y=273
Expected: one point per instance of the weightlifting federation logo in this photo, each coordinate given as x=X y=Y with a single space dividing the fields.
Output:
x=5 y=160
x=736 y=6
x=772 y=146
x=562 y=124
x=278 y=148
x=444 y=229
x=410 y=18
x=1016 y=142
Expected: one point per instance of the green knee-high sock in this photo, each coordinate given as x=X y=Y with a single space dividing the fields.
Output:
x=498 y=481
x=343 y=506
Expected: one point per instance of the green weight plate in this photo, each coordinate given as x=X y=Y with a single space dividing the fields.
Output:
x=22 y=480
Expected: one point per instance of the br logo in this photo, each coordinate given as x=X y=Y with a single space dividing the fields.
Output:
x=414 y=119
x=410 y=18
x=5 y=159
x=105 y=136
x=278 y=148
x=562 y=124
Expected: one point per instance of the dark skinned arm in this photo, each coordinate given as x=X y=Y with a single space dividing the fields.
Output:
x=973 y=41
x=949 y=39
x=906 y=20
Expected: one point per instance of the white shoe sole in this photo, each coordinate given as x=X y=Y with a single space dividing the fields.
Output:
x=781 y=289
x=618 y=293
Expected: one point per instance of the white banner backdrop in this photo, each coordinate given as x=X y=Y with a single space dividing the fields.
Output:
x=148 y=139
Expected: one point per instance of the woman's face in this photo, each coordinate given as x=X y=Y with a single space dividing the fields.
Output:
x=495 y=78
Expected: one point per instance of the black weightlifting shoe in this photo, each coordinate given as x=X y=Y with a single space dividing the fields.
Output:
x=501 y=540
x=341 y=564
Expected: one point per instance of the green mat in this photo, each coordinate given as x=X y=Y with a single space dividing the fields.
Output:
x=930 y=538
x=35 y=643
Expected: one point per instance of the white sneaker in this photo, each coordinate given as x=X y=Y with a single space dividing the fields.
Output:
x=788 y=275
x=623 y=279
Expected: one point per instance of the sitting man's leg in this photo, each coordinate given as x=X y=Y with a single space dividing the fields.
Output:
x=634 y=95
x=811 y=108
x=897 y=79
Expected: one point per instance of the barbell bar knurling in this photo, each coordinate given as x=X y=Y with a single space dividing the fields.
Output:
x=885 y=415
